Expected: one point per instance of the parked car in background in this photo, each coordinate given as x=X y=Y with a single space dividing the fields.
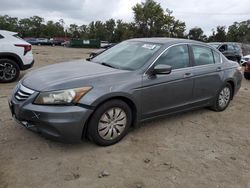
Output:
x=57 y=42
x=15 y=55
x=66 y=44
x=32 y=41
x=136 y=80
x=247 y=70
x=44 y=41
x=232 y=51
x=244 y=60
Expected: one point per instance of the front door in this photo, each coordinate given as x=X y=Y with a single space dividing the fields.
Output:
x=162 y=94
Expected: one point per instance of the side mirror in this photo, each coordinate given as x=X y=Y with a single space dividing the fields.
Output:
x=162 y=69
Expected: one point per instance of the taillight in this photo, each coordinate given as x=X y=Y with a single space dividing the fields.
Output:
x=27 y=47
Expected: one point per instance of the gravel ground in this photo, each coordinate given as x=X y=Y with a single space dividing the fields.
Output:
x=200 y=148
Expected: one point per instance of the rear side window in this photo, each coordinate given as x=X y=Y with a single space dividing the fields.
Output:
x=217 y=58
x=177 y=57
x=1 y=37
x=230 y=47
x=202 y=55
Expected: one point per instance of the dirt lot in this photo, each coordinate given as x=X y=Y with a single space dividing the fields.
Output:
x=201 y=148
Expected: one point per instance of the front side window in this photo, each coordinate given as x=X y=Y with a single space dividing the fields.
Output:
x=128 y=55
x=202 y=55
x=177 y=57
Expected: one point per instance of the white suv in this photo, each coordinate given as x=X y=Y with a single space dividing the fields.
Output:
x=15 y=55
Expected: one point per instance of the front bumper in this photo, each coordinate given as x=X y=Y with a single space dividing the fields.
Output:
x=62 y=123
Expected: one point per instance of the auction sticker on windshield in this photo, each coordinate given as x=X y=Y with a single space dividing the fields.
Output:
x=149 y=46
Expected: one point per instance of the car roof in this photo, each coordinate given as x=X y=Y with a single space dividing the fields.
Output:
x=164 y=40
x=5 y=32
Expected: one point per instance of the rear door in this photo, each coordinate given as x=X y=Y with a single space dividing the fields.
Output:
x=208 y=73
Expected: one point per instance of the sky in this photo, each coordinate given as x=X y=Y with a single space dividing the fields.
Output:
x=206 y=14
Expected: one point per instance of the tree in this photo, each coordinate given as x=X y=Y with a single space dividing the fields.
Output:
x=197 y=34
x=110 y=29
x=52 y=29
x=152 y=21
x=219 y=35
x=37 y=25
x=239 y=32
x=8 y=23
x=74 y=30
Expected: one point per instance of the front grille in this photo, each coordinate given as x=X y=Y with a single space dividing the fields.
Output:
x=23 y=93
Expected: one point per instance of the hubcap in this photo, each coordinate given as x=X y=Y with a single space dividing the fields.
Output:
x=224 y=97
x=7 y=71
x=112 y=123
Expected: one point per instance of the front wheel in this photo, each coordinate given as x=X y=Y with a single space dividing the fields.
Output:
x=223 y=98
x=9 y=71
x=110 y=123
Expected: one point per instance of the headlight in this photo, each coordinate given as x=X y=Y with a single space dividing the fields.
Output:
x=62 y=97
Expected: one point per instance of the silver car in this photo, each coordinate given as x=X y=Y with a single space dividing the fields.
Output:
x=135 y=81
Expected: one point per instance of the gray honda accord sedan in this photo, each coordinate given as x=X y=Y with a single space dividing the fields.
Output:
x=136 y=80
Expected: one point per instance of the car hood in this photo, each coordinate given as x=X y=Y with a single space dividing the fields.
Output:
x=67 y=75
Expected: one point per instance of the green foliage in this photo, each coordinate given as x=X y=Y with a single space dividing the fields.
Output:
x=152 y=21
x=197 y=34
x=220 y=35
x=239 y=32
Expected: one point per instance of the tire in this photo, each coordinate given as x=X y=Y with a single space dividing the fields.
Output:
x=220 y=104
x=103 y=130
x=9 y=71
x=247 y=76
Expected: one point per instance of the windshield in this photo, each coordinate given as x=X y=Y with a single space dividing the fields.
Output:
x=128 y=55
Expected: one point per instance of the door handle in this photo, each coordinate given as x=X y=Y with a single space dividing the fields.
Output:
x=218 y=69
x=188 y=75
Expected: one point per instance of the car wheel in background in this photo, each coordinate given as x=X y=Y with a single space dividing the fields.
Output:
x=9 y=71
x=110 y=123
x=223 y=98
x=247 y=76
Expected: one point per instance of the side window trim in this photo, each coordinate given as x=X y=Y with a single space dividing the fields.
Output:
x=191 y=56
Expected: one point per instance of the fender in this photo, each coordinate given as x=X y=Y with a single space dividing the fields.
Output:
x=14 y=57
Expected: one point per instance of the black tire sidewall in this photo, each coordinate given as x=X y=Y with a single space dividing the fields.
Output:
x=93 y=123
x=217 y=106
x=16 y=67
x=247 y=76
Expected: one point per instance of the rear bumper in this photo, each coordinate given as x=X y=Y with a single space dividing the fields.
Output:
x=28 y=66
x=61 y=123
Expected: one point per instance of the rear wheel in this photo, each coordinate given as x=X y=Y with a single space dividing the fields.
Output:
x=110 y=123
x=223 y=98
x=9 y=70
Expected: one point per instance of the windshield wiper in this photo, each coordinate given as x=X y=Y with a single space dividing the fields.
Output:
x=108 y=65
